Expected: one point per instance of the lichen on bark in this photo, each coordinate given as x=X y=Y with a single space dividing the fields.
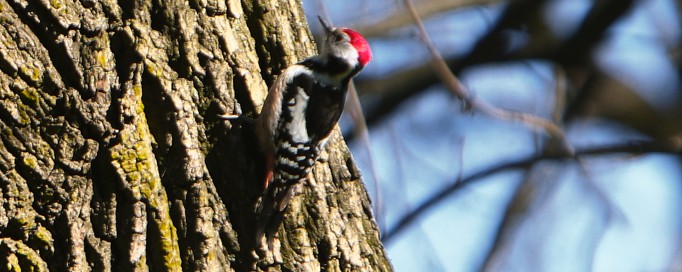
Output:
x=113 y=156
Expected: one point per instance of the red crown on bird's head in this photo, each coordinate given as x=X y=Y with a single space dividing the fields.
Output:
x=360 y=44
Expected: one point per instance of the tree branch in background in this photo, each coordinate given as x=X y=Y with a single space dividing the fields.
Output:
x=459 y=90
x=593 y=28
x=494 y=45
x=360 y=131
x=426 y=8
x=671 y=146
x=528 y=194
x=392 y=90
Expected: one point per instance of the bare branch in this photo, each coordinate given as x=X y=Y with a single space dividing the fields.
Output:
x=425 y=9
x=672 y=146
x=572 y=53
x=459 y=90
x=360 y=131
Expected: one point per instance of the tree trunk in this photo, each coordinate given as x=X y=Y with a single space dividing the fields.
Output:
x=113 y=157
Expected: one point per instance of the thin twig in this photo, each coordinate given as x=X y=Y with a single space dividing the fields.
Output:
x=455 y=85
x=673 y=146
x=355 y=110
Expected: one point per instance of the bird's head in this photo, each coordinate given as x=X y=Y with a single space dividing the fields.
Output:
x=346 y=44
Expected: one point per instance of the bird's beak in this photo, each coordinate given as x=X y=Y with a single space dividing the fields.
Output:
x=327 y=27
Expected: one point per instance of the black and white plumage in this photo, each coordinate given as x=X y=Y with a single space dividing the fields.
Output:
x=301 y=109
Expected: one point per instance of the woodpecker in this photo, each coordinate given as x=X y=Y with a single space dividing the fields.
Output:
x=301 y=109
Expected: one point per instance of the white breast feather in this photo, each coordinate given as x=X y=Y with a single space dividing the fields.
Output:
x=297 y=127
x=297 y=106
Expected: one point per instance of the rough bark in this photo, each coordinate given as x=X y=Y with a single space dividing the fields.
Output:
x=112 y=155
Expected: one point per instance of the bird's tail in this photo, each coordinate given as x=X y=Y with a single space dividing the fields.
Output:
x=270 y=209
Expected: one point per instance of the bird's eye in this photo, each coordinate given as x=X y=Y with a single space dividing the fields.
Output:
x=338 y=38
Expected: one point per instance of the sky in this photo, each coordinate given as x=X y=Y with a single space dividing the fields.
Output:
x=610 y=213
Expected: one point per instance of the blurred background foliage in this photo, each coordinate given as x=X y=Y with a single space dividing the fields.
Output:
x=457 y=190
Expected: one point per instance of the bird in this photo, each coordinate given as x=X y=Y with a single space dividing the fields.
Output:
x=301 y=109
